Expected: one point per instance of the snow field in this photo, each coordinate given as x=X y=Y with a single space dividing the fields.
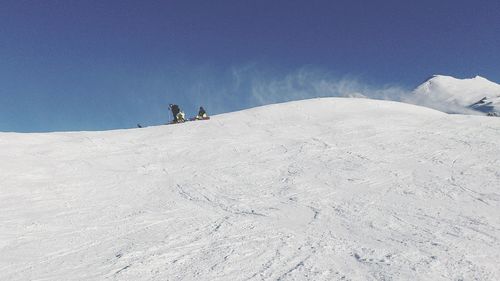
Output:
x=322 y=189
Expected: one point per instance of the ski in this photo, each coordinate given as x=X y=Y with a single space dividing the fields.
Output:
x=199 y=119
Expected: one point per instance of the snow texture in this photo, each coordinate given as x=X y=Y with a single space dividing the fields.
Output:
x=454 y=95
x=488 y=105
x=322 y=189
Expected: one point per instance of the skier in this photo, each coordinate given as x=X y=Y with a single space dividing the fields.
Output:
x=202 y=114
x=175 y=112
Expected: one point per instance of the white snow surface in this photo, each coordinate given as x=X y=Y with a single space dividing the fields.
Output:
x=322 y=189
x=488 y=105
x=454 y=95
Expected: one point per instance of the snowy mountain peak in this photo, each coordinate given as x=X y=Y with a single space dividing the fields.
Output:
x=453 y=95
x=448 y=77
x=468 y=86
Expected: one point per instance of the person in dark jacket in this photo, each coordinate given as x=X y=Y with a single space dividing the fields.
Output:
x=175 y=110
x=202 y=114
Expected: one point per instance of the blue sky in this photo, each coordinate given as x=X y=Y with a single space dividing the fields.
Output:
x=94 y=65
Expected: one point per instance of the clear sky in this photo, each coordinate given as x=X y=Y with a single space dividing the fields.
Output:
x=93 y=64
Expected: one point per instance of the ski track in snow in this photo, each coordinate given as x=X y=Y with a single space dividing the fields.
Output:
x=323 y=189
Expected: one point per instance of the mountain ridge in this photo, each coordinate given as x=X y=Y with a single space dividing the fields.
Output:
x=454 y=95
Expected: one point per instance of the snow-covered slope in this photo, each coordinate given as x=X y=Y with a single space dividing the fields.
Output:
x=454 y=95
x=488 y=105
x=323 y=189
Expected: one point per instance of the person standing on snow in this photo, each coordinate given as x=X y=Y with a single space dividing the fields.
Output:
x=175 y=111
